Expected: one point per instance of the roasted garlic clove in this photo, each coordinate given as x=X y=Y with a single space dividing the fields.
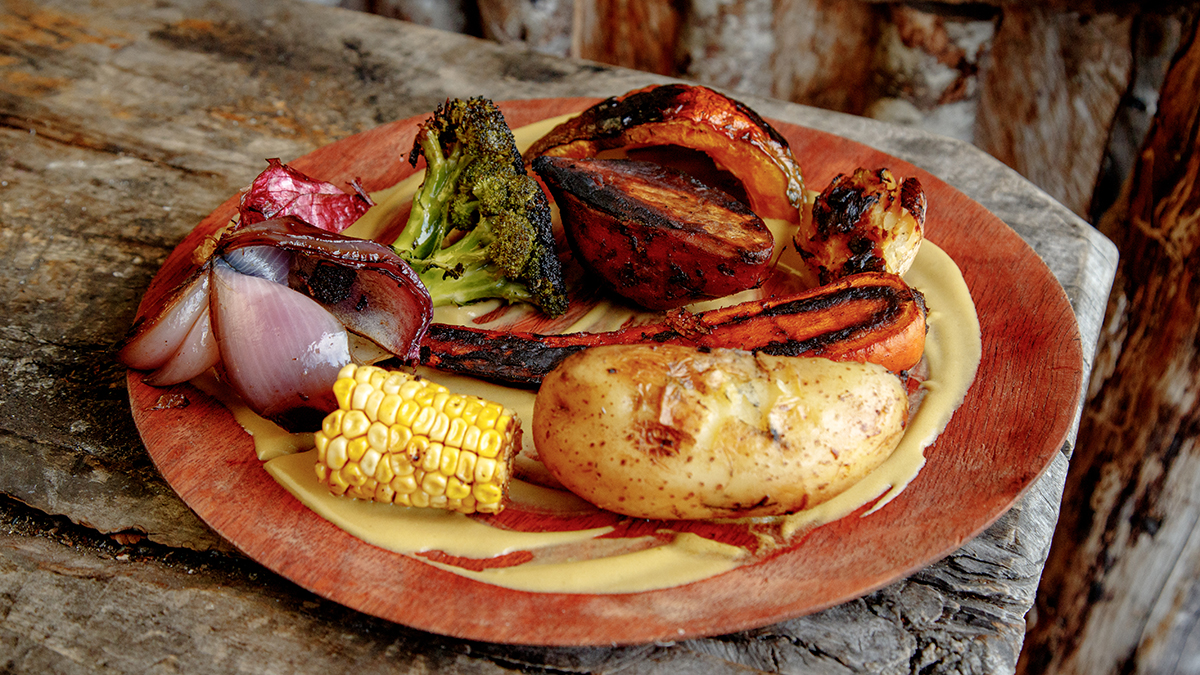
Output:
x=868 y=221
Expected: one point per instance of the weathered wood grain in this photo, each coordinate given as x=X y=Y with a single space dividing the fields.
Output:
x=1050 y=88
x=149 y=114
x=1119 y=590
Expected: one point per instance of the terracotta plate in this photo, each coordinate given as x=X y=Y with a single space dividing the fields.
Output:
x=1014 y=419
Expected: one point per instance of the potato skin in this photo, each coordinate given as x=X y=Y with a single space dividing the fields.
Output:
x=674 y=432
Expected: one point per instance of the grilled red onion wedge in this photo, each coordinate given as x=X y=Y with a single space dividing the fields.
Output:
x=270 y=308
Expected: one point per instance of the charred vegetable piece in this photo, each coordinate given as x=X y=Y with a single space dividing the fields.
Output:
x=401 y=439
x=868 y=221
x=734 y=136
x=475 y=183
x=871 y=317
x=668 y=431
x=655 y=235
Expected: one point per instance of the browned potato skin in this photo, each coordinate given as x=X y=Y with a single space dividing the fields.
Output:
x=672 y=432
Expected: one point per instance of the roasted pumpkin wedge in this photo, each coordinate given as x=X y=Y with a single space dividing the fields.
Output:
x=734 y=136
x=865 y=221
x=654 y=235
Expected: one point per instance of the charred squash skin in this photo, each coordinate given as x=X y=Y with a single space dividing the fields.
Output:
x=871 y=317
x=654 y=235
x=733 y=135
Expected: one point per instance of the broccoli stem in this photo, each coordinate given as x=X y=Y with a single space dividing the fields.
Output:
x=426 y=226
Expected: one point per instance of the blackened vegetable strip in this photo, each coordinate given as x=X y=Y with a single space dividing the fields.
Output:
x=873 y=317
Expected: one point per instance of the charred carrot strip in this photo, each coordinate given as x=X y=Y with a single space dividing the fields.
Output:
x=873 y=317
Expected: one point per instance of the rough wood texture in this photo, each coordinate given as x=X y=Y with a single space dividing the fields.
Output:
x=1119 y=592
x=1052 y=85
x=638 y=34
x=121 y=125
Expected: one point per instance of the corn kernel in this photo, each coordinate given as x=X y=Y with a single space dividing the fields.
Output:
x=488 y=416
x=321 y=442
x=355 y=424
x=465 y=471
x=404 y=485
x=378 y=375
x=485 y=470
x=431 y=458
x=337 y=483
x=398 y=438
x=471 y=439
x=356 y=448
x=407 y=414
x=399 y=464
x=384 y=493
x=332 y=424
x=456 y=489
x=388 y=408
x=370 y=461
x=335 y=455
x=409 y=389
x=486 y=493
x=383 y=470
x=372 y=407
x=433 y=484
x=352 y=475
x=391 y=384
x=449 y=460
x=343 y=389
x=358 y=398
x=490 y=443
x=377 y=436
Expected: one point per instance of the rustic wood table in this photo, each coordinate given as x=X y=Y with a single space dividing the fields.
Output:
x=124 y=123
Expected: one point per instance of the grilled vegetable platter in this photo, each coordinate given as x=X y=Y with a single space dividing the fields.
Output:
x=609 y=361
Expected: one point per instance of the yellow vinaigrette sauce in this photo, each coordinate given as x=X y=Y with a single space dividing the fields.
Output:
x=952 y=354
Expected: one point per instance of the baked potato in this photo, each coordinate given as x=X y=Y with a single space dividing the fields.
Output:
x=676 y=432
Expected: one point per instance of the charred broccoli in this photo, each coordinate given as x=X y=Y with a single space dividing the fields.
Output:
x=475 y=182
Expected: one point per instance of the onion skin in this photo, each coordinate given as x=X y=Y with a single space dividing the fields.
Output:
x=156 y=336
x=197 y=353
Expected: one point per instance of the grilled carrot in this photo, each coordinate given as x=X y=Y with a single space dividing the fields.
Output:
x=873 y=317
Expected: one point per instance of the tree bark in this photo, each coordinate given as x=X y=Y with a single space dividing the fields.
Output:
x=1118 y=594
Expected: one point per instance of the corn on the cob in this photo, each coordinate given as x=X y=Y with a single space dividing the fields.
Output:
x=402 y=439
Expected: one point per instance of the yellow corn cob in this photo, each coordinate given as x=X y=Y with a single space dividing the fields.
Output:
x=402 y=439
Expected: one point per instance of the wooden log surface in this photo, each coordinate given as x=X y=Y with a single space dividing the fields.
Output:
x=1120 y=592
x=122 y=125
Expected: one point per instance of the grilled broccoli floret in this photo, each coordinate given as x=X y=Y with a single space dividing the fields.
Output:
x=475 y=182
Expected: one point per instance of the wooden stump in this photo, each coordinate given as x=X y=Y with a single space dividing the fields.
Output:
x=1119 y=591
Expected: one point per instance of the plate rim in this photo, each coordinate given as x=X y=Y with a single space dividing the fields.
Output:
x=610 y=610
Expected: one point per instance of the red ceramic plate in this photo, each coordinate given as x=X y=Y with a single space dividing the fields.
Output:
x=1014 y=419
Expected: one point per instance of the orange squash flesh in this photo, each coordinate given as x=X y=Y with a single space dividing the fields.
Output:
x=734 y=136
